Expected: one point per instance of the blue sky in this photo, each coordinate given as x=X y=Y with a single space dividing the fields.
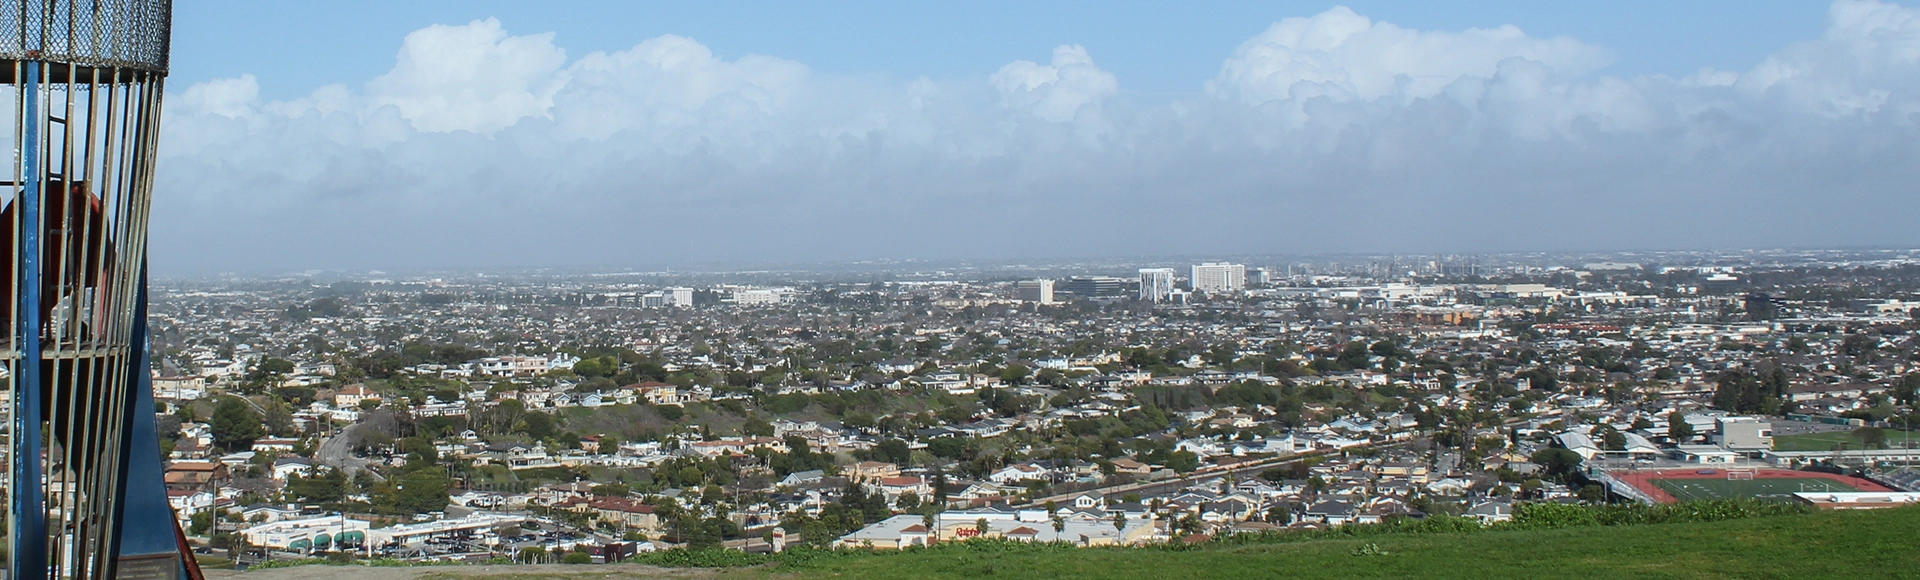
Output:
x=1158 y=49
x=346 y=135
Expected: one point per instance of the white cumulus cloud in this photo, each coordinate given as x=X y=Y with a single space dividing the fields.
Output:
x=1332 y=132
x=1058 y=90
x=1344 y=55
x=471 y=78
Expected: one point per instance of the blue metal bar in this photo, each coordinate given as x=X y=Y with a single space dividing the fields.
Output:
x=142 y=514
x=29 y=550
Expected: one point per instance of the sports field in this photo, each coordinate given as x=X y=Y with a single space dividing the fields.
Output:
x=1829 y=440
x=1698 y=489
x=1674 y=485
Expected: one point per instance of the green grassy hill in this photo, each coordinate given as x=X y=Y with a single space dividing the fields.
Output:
x=1878 y=544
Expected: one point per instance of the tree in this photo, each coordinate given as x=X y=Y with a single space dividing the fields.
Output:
x=1183 y=461
x=1279 y=515
x=1678 y=429
x=1557 y=462
x=1015 y=374
x=1119 y=521
x=1909 y=388
x=939 y=483
x=757 y=427
x=423 y=491
x=531 y=555
x=894 y=451
x=268 y=373
x=537 y=425
x=1737 y=391
x=235 y=426
x=1873 y=437
x=327 y=487
x=980 y=525
x=947 y=447
x=1593 y=494
x=1612 y=439
x=1859 y=344
x=1354 y=356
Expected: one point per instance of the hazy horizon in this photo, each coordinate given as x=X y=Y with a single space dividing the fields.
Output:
x=501 y=143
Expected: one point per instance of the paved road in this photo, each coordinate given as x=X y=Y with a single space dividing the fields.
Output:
x=337 y=451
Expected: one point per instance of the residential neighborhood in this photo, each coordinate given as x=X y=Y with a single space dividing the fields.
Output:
x=540 y=416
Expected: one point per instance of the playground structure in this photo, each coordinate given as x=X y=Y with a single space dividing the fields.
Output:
x=84 y=487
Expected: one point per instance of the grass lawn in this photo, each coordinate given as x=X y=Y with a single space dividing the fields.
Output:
x=1823 y=545
x=1699 y=489
x=1868 y=544
x=1826 y=441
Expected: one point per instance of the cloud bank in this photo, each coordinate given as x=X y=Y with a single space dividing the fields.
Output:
x=1327 y=133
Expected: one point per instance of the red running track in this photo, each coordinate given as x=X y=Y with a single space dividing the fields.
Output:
x=1643 y=480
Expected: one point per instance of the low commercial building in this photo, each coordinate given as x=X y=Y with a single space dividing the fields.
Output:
x=309 y=534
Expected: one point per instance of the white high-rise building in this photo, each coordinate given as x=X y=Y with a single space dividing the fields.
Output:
x=680 y=296
x=1035 y=291
x=1216 y=277
x=1156 y=284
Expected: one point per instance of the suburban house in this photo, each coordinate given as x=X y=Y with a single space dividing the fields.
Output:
x=1014 y=474
x=352 y=396
x=197 y=476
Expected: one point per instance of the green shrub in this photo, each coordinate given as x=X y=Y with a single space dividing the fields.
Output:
x=708 y=558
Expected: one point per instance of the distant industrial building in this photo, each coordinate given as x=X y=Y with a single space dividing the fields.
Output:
x=1156 y=284
x=1218 y=277
x=1035 y=291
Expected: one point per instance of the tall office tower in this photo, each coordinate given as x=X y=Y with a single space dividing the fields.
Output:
x=1093 y=286
x=1156 y=284
x=1214 y=277
x=680 y=296
x=1035 y=291
x=86 y=496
